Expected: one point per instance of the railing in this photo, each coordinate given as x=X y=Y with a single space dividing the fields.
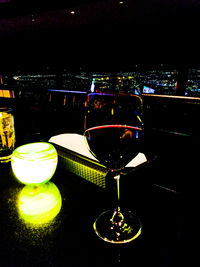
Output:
x=172 y=115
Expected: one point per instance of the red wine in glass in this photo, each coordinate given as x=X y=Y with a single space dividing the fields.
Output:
x=114 y=145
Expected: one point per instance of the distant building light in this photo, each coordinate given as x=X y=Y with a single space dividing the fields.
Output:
x=7 y=93
x=92 y=87
x=136 y=92
x=33 y=18
x=148 y=90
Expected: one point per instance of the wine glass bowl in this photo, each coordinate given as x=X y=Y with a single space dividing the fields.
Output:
x=119 y=146
x=114 y=135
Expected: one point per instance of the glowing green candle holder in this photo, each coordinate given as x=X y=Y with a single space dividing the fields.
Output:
x=34 y=163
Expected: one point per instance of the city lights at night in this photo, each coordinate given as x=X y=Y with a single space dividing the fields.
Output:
x=163 y=82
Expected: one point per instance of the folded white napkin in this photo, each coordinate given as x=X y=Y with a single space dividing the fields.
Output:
x=76 y=143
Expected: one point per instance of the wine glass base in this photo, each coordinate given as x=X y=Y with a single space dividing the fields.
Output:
x=122 y=229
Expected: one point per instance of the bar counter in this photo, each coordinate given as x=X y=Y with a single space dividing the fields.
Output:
x=69 y=239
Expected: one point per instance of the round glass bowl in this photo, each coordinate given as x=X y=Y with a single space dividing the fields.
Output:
x=34 y=163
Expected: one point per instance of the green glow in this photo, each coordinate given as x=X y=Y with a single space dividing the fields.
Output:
x=39 y=205
x=34 y=163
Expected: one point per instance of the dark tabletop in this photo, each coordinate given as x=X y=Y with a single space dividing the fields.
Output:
x=69 y=240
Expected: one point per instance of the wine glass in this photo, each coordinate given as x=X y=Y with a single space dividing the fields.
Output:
x=114 y=134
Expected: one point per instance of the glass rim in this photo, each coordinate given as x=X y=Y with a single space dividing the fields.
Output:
x=6 y=109
x=35 y=151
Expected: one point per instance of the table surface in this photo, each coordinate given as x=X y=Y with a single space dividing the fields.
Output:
x=69 y=240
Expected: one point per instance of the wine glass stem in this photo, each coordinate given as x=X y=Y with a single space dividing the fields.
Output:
x=117 y=178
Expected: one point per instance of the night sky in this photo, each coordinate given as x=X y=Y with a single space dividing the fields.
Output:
x=98 y=34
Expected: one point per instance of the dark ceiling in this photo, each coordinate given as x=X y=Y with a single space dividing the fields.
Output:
x=104 y=34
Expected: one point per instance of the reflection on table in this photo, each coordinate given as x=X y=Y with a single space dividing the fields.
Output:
x=38 y=205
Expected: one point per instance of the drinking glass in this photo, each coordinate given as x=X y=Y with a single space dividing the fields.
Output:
x=7 y=134
x=114 y=135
